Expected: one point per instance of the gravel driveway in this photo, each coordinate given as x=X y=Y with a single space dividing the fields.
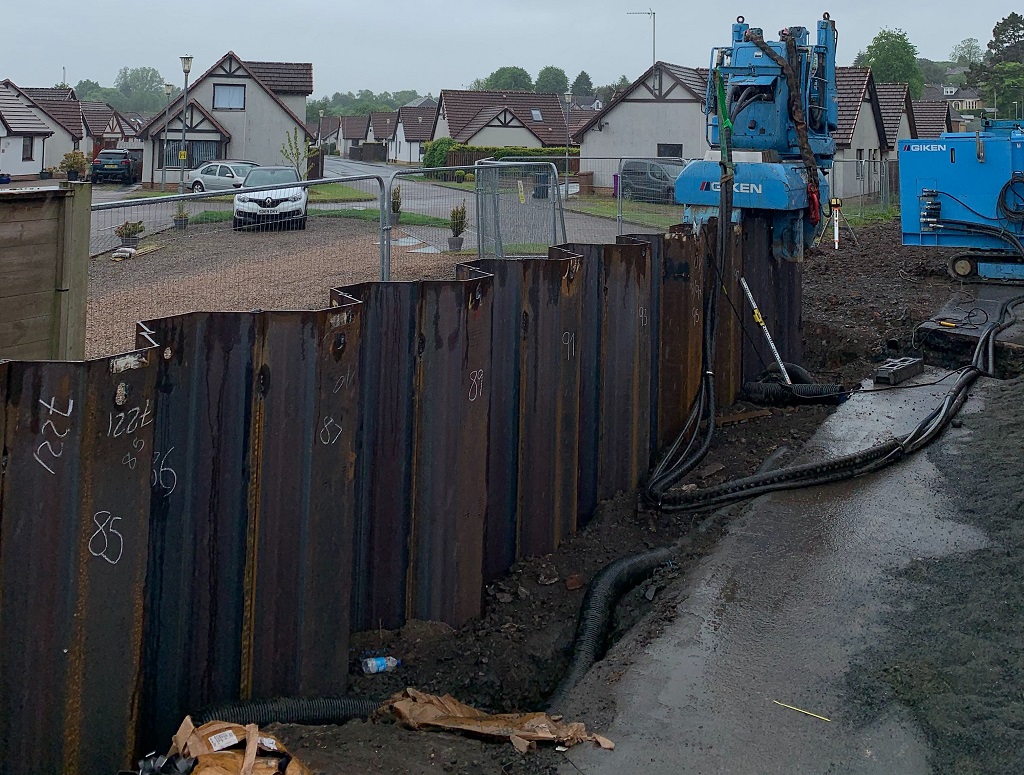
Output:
x=214 y=268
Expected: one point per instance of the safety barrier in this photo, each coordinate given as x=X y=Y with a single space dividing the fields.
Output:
x=207 y=517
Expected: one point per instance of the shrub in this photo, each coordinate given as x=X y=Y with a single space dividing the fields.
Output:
x=470 y=177
x=436 y=154
x=74 y=160
x=129 y=229
x=396 y=199
x=457 y=219
x=460 y=176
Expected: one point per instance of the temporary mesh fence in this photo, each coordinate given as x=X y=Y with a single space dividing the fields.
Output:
x=188 y=254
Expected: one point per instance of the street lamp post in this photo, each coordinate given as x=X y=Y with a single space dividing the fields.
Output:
x=1015 y=109
x=320 y=143
x=163 y=150
x=568 y=108
x=654 y=30
x=186 y=68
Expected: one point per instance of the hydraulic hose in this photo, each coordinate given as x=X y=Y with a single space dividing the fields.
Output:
x=604 y=592
x=290 y=710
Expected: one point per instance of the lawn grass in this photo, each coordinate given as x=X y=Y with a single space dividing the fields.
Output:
x=869 y=215
x=322 y=194
x=470 y=186
x=641 y=213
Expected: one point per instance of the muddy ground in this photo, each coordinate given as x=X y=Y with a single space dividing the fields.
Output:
x=957 y=657
x=861 y=304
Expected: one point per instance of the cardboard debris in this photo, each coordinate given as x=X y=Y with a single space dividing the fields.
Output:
x=222 y=748
x=419 y=710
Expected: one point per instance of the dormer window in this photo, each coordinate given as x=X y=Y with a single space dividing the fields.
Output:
x=536 y=115
x=949 y=91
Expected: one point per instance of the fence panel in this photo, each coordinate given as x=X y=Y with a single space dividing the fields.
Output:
x=73 y=543
x=209 y=265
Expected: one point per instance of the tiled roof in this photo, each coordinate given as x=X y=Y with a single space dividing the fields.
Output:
x=17 y=117
x=693 y=79
x=47 y=93
x=67 y=113
x=284 y=77
x=931 y=117
x=96 y=116
x=577 y=120
x=421 y=102
x=852 y=87
x=417 y=123
x=354 y=127
x=894 y=102
x=466 y=112
x=935 y=92
x=384 y=125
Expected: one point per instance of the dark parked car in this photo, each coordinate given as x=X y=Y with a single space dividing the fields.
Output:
x=650 y=181
x=116 y=164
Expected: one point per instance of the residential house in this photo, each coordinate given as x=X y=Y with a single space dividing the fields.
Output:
x=236 y=109
x=354 y=131
x=963 y=99
x=329 y=131
x=62 y=116
x=932 y=118
x=661 y=114
x=23 y=136
x=383 y=126
x=500 y=118
x=414 y=128
x=421 y=102
x=586 y=102
x=860 y=137
x=107 y=128
x=897 y=115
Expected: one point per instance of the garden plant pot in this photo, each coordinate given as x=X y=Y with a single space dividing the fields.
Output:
x=455 y=244
x=181 y=223
x=45 y=175
x=130 y=242
x=395 y=218
x=72 y=174
x=5 y=179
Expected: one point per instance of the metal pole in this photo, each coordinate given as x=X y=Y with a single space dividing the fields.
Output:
x=654 y=31
x=186 y=66
x=163 y=149
x=568 y=107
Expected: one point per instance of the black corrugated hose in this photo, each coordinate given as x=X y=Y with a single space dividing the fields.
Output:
x=290 y=710
x=603 y=593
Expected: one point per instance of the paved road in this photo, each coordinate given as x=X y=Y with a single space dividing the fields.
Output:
x=794 y=591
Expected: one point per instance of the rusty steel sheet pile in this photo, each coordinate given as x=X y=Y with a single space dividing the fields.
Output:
x=209 y=517
x=74 y=523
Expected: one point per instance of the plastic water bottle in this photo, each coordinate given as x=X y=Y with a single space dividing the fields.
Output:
x=373 y=665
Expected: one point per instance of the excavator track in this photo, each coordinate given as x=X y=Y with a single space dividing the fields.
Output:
x=965 y=267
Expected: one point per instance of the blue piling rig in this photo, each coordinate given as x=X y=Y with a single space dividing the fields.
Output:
x=780 y=145
x=966 y=190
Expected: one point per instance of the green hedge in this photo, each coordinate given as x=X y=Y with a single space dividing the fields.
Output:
x=503 y=152
x=435 y=152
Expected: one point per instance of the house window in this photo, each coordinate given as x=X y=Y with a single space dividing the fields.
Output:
x=860 y=164
x=199 y=152
x=228 y=96
x=536 y=115
x=670 y=150
x=26 y=148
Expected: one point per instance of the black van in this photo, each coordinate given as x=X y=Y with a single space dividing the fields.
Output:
x=650 y=181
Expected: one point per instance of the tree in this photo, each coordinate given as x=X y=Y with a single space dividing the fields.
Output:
x=583 y=86
x=605 y=93
x=967 y=52
x=552 y=80
x=999 y=77
x=142 y=87
x=298 y=151
x=893 y=59
x=510 y=78
x=932 y=72
x=861 y=60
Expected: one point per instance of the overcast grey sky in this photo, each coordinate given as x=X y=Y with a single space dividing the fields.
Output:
x=429 y=45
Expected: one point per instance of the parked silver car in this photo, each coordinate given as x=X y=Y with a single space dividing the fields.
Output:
x=219 y=175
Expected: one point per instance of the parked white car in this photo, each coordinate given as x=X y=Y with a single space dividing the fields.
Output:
x=218 y=175
x=284 y=206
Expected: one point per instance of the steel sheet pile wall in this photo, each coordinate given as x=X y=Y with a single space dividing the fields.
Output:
x=74 y=519
x=207 y=518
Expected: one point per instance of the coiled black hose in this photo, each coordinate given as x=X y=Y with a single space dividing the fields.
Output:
x=290 y=710
x=780 y=394
x=604 y=592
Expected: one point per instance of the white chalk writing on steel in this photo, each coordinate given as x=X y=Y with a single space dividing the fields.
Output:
x=104 y=521
x=476 y=384
x=330 y=431
x=569 y=340
x=164 y=477
x=121 y=423
x=47 y=444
